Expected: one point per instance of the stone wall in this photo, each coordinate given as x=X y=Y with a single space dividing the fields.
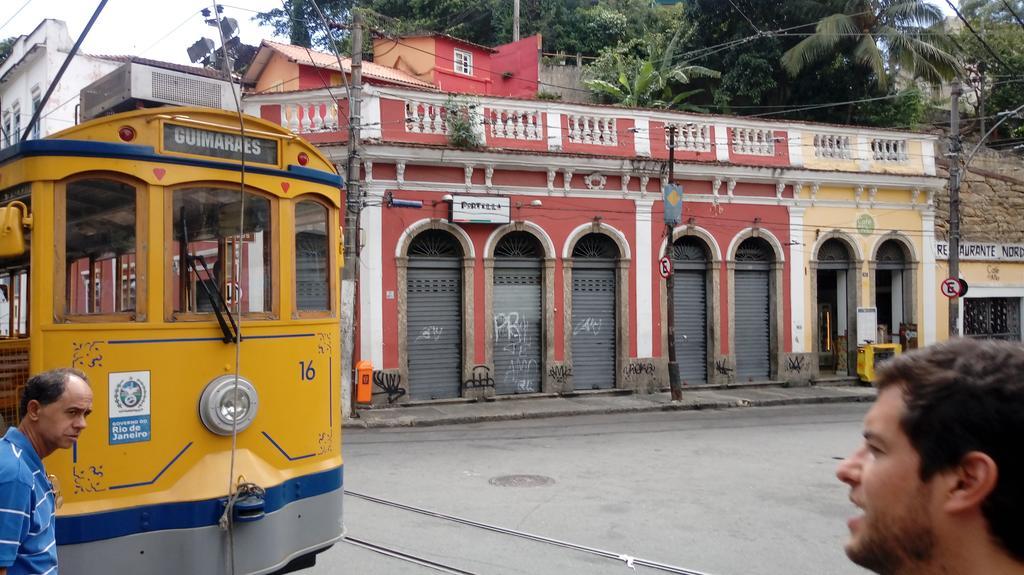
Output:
x=992 y=199
x=566 y=81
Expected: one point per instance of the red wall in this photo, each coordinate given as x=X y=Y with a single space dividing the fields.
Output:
x=779 y=158
x=515 y=68
x=724 y=222
x=312 y=78
x=445 y=77
x=558 y=217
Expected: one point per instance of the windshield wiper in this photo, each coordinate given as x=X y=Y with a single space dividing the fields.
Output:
x=220 y=307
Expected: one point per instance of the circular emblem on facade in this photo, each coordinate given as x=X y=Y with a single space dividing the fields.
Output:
x=866 y=224
x=129 y=394
x=595 y=181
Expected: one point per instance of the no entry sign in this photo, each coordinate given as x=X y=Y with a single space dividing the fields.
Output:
x=665 y=267
x=952 y=287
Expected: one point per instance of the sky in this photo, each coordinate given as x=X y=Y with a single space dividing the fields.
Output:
x=156 y=29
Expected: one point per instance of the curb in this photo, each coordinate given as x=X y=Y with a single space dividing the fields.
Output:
x=415 y=421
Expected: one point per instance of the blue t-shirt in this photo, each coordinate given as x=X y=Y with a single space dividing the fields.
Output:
x=27 y=543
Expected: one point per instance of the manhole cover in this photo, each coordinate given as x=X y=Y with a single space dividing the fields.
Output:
x=521 y=481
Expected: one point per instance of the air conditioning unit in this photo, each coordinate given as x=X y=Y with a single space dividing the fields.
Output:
x=138 y=85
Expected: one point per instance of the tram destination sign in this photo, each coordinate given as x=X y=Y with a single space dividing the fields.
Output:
x=983 y=252
x=214 y=144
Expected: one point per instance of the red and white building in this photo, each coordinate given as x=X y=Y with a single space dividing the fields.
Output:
x=530 y=264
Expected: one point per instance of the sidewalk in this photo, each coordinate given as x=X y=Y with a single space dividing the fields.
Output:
x=592 y=402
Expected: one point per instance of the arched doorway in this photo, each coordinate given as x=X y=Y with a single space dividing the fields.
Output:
x=434 y=316
x=518 y=305
x=752 y=296
x=893 y=289
x=690 y=262
x=594 y=321
x=836 y=278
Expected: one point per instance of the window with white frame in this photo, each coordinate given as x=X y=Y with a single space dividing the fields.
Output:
x=7 y=129
x=37 y=99
x=16 y=127
x=464 y=62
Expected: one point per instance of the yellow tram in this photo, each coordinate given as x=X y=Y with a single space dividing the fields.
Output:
x=190 y=269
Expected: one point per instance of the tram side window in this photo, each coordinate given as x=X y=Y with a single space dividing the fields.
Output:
x=312 y=274
x=100 y=247
x=14 y=289
x=207 y=251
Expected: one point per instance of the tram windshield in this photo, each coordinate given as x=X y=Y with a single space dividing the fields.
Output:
x=207 y=222
x=100 y=248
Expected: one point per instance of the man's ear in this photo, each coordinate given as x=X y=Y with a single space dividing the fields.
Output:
x=32 y=409
x=971 y=481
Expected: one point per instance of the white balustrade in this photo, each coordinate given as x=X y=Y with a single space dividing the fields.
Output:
x=753 y=141
x=832 y=147
x=889 y=150
x=691 y=137
x=306 y=117
x=593 y=130
x=425 y=118
x=515 y=124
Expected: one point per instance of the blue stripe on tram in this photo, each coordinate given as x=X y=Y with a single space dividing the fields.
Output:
x=186 y=514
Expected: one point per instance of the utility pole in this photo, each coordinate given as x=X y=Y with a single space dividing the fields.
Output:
x=675 y=387
x=515 y=20
x=954 y=204
x=353 y=206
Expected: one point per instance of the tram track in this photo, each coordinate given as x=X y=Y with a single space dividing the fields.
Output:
x=622 y=559
x=407 y=557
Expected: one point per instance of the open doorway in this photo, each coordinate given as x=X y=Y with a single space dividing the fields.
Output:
x=835 y=301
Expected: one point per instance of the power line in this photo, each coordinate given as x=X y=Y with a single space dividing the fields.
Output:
x=1014 y=13
x=976 y=35
x=15 y=15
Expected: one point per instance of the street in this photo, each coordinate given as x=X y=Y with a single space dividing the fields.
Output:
x=720 y=492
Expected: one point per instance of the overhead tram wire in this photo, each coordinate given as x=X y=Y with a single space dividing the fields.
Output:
x=234 y=490
x=745 y=17
x=173 y=30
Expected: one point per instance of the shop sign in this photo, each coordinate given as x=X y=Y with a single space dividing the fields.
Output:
x=983 y=251
x=479 y=210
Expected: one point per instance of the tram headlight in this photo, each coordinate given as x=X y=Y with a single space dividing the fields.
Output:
x=225 y=406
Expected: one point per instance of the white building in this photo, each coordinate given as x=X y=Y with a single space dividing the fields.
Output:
x=27 y=73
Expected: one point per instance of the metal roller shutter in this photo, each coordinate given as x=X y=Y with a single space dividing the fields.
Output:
x=517 y=328
x=753 y=336
x=593 y=327
x=434 y=331
x=691 y=324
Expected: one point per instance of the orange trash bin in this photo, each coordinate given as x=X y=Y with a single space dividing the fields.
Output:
x=364 y=382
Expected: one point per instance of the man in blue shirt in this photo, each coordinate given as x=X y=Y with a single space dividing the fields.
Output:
x=54 y=405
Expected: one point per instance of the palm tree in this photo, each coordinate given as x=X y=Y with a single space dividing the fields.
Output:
x=650 y=84
x=890 y=37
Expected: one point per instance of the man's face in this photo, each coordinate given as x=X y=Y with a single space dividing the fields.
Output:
x=60 y=423
x=895 y=530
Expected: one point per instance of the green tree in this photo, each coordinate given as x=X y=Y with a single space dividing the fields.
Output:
x=299 y=21
x=992 y=11
x=1004 y=88
x=6 y=46
x=652 y=82
x=886 y=37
